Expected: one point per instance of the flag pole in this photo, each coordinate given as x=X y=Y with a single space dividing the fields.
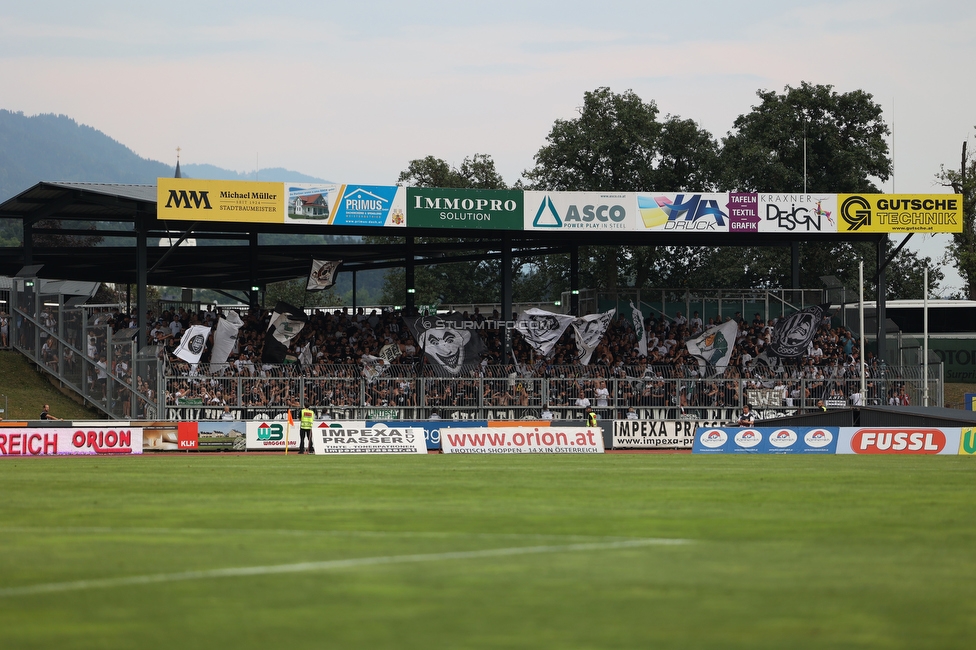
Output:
x=291 y=423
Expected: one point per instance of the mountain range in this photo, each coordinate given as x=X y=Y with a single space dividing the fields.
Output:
x=52 y=147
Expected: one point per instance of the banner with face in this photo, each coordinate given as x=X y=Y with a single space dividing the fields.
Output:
x=792 y=335
x=542 y=329
x=451 y=343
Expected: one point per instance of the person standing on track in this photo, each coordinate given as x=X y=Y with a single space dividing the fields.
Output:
x=590 y=417
x=305 y=429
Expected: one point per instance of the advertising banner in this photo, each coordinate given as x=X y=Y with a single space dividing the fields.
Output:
x=865 y=213
x=577 y=211
x=899 y=440
x=795 y=213
x=346 y=205
x=684 y=212
x=657 y=434
x=432 y=428
x=72 y=440
x=522 y=440
x=219 y=435
x=766 y=440
x=201 y=200
x=468 y=209
x=270 y=435
x=352 y=437
x=967 y=442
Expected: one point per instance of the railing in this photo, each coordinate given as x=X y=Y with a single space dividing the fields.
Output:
x=664 y=392
x=77 y=346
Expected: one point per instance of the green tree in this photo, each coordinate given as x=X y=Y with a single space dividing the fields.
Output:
x=962 y=250
x=844 y=136
x=476 y=172
x=455 y=282
x=293 y=292
x=618 y=144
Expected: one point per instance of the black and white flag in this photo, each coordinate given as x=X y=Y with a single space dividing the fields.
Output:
x=323 y=274
x=541 y=329
x=450 y=343
x=589 y=332
x=639 y=330
x=192 y=344
x=793 y=334
x=286 y=322
x=225 y=337
x=373 y=367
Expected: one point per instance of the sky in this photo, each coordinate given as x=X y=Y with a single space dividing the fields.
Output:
x=352 y=91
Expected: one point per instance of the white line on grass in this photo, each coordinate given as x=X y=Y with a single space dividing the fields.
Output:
x=104 y=583
x=114 y=530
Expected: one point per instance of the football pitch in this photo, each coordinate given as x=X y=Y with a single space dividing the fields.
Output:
x=484 y=551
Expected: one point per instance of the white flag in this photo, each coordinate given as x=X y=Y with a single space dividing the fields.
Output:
x=638 y=316
x=373 y=367
x=225 y=337
x=541 y=329
x=713 y=348
x=193 y=343
x=589 y=332
x=323 y=274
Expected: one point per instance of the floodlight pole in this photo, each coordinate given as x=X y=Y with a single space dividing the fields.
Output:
x=860 y=310
x=925 y=336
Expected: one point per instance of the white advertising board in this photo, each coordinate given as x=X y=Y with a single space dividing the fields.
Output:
x=70 y=441
x=522 y=440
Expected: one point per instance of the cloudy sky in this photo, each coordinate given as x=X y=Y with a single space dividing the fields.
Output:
x=352 y=91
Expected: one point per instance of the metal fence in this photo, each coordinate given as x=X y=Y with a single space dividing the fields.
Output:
x=659 y=392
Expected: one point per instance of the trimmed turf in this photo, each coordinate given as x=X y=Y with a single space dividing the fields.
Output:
x=781 y=551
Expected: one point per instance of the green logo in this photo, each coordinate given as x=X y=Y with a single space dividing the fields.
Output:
x=270 y=432
x=967 y=445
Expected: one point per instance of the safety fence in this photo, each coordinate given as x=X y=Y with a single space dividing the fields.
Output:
x=654 y=393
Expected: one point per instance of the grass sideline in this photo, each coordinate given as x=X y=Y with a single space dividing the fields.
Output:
x=781 y=551
x=28 y=390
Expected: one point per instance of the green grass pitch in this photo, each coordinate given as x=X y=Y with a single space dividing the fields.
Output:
x=532 y=551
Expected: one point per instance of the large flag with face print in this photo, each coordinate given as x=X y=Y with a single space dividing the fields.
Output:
x=541 y=329
x=322 y=275
x=450 y=343
x=286 y=322
x=792 y=335
x=713 y=347
x=589 y=332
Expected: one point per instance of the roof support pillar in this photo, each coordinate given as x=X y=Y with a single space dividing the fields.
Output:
x=142 y=280
x=574 y=307
x=252 y=256
x=408 y=267
x=506 y=297
x=795 y=259
x=882 y=290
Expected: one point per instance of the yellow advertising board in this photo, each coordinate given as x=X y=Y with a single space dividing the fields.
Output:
x=202 y=200
x=899 y=213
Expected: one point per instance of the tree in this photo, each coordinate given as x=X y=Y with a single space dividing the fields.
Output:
x=618 y=144
x=293 y=292
x=845 y=150
x=477 y=172
x=456 y=282
x=962 y=250
x=845 y=143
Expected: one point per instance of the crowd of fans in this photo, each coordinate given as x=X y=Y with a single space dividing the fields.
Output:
x=334 y=342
